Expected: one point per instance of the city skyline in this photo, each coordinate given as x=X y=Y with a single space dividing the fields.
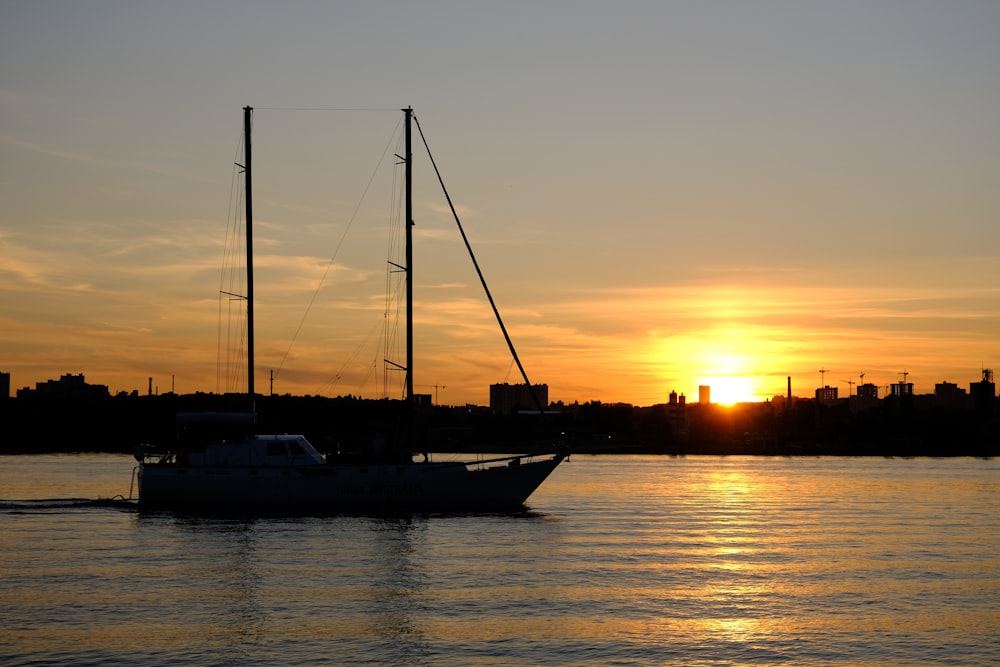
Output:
x=703 y=393
x=660 y=196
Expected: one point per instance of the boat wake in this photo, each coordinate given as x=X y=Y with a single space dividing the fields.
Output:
x=56 y=504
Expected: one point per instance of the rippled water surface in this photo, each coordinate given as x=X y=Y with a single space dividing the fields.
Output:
x=620 y=560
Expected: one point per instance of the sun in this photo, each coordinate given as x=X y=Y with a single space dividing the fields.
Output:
x=727 y=361
x=730 y=389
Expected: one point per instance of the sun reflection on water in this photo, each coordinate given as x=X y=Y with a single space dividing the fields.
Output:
x=628 y=560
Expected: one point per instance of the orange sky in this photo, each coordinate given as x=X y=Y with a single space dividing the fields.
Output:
x=680 y=194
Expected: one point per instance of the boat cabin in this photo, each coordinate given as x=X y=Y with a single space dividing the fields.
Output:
x=225 y=439
x=256 y=451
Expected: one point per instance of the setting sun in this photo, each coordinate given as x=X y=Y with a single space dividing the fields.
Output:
x=734 y=362
x=730 y=389
x=728 y=372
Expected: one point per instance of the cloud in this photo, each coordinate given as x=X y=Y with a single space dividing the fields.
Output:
x=93 y=159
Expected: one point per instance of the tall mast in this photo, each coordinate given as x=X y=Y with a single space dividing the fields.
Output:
x=408 y=160
x=248 y=206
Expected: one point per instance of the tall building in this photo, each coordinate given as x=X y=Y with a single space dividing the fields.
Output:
x=984 y=394
x=4 y=386
x=677 y=412
x=704 y=393
x=866 y=398
x=868 y=390
x=901 y=389
x=826 y=394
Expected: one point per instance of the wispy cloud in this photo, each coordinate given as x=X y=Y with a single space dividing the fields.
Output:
x=101 y=160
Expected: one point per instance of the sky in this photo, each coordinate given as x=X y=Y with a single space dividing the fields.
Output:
x=661 y=195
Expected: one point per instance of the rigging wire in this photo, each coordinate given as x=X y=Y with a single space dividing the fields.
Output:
x=231 y=286
x=393 y=109
x=394 y=268
x=510 y=367
x=231 y=361
x=234 y=227
x=335 y=380
x=340 y=242
x=389 y=334
x=482 y=279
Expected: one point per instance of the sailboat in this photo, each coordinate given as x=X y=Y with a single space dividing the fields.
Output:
x=221 y=463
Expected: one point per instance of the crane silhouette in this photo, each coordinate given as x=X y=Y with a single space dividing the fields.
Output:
x=436 y=387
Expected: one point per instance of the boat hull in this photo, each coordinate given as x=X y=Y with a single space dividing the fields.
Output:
x=412 y=487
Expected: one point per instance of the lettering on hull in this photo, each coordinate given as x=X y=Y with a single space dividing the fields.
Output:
x=380 y=489
x=396 y=489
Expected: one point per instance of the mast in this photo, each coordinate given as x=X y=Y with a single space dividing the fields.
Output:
x=408 y=161
x=248 y=206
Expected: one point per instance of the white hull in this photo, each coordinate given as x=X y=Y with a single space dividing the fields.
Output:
x=410 y=487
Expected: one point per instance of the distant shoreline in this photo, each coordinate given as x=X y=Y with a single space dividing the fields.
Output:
x=116 y=424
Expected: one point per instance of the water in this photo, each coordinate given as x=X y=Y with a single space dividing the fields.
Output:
x=620 y=561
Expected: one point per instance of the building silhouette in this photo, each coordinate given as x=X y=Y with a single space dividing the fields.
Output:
x=984 y=394
x=950 y=396
x=868 y=390
x=677 y=412
x=506 y=398
x=901 y=389
x=4 y=386
x=866 y=398
x=704 y=393
x=68 y=387
x=826 y=394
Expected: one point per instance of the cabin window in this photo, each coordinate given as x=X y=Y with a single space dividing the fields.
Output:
x=275 y=449
x=295 y=449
